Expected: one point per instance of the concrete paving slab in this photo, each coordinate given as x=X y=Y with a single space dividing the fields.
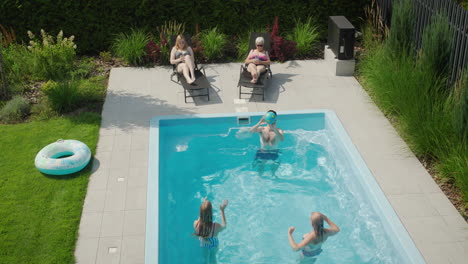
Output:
x=109 y=250
x=133 y=250
x=135 y=95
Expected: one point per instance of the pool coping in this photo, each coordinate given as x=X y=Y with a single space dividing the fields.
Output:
x=381 y=203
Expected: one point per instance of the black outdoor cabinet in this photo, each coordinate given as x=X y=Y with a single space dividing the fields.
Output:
x=341 y=37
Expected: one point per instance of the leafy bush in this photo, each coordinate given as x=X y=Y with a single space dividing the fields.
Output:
x=82 y=68
x=17 y=61
x=213 y=43
x=243 y=46
x=282 y=49
x=437 y=45
x=400 y=36
x=153 y=52
x=92 y=90
x=305 y=34
x=131 y=47
x=105 y=56
x=15 y=110
x=52 y=58
x=63 y=96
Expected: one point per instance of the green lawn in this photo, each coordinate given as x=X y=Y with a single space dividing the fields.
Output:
x=40 y=214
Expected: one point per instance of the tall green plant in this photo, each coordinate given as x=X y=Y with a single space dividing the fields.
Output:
x=401 y=30
x=424 y=116
x=131 y=47
x=460 y=105
x=52 y=57
x=242 y=43
x=436 y=45
x=63 y=96
x=305 y=34
x=213 y=43
x=18 y=63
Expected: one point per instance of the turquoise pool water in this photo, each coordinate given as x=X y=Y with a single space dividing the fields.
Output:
x=213 y=157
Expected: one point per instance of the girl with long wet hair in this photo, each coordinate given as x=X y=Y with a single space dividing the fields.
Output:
x=207 y=231
x=311 y=243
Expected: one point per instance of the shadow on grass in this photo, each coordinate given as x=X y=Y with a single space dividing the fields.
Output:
x=86 y=171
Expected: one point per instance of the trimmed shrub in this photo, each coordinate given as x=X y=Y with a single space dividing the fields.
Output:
x=131 y=47
x=15 y=110
x=52 y=58
x=305 y=34
x=62 y=96
x=213 y=43
x=96 y=22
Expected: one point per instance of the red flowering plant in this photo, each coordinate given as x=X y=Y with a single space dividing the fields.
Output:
x=152 y=51
x=282 y=49
x=197 y=45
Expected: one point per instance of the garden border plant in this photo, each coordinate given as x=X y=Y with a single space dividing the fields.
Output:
x=412 y=91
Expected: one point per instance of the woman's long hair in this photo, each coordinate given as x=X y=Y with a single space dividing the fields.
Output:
x=205 y=224
x=178 y=39
x=317 y=224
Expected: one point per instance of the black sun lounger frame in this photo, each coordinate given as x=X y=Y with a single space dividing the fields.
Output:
x=201 y=86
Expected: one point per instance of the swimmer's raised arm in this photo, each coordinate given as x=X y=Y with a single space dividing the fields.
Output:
x=301 y=244
x=257 y=128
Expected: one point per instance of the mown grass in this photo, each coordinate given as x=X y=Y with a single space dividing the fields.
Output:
x=40 y=214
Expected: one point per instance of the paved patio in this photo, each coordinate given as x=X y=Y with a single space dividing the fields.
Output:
x=112 y=228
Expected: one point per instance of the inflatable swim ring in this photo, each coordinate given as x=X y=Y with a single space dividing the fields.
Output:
x=49 y=160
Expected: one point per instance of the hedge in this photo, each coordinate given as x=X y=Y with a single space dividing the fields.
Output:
x=95 y=22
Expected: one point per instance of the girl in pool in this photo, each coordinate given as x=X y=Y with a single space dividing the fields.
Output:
x=207 y=231
x=311 y=243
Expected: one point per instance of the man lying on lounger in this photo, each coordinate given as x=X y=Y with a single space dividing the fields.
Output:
x=270 y=136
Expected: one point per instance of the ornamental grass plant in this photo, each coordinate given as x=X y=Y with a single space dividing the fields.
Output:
x=412 y=90
x=131 y=46
x=305 y=34
x=213 y=43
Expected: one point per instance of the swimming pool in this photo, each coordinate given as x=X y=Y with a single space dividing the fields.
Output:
x=205 y=155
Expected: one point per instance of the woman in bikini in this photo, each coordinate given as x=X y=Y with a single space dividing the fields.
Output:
x=311 y=243
x=207 y=231
x=182 y=56
x=257 y=59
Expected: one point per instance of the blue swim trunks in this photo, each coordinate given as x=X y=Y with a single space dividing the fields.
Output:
x=267 y=154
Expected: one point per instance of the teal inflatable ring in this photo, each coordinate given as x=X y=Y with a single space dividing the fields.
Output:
x=63 y=157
